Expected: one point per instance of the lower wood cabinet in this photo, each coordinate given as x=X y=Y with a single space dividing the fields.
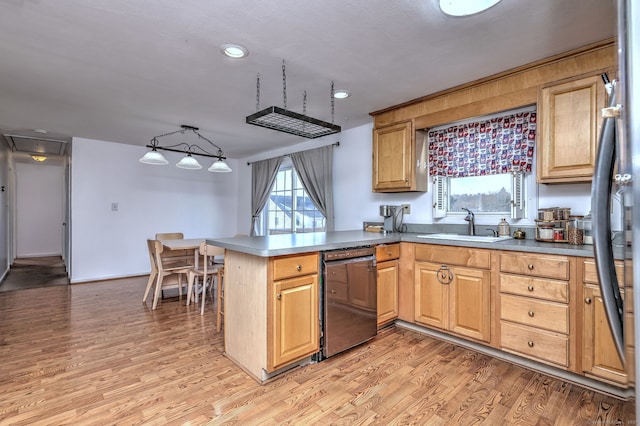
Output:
x=599 y=355
x=535 y=310
x=388 y=276
x=453 y=298
x=387 y=291
x=294 y=324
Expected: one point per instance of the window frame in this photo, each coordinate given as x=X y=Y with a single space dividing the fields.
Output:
x=295 y=187
x=523 y=196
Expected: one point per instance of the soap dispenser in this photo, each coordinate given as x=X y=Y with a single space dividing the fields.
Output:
x=503 y=228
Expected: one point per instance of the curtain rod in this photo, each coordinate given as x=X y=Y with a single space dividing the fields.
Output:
x=283 y=155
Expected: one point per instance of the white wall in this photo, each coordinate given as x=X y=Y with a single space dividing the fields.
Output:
x=109 y=244
x=39 y=195
x=355 y=202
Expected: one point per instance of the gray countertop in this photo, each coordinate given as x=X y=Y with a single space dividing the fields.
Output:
x=285 y=244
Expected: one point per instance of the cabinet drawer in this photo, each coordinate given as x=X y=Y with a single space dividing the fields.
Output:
x=535 y=343
x=295 y=266
x=535 y=265
x=590 y=274
x=557 y=291
x=535 y=313
x=387 y=252
x=449 y=255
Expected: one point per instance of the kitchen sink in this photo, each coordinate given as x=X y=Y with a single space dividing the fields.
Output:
x=462 y=237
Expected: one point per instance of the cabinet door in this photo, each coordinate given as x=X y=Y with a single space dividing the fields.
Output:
x=570 y=119
x=599 y=357
x=392 y=157
x=431 y=295
x=470 y=303
x=387 y=291
x=294 y=323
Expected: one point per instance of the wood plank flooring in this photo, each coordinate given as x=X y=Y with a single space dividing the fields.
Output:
x=94 y=354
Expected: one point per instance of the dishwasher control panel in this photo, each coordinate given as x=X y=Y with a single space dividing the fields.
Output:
x=349 y=253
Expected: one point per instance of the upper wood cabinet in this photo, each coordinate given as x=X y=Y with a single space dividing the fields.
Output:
x=399 y=159
x=569 y=118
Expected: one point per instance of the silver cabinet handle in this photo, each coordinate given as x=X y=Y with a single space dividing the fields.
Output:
x=444 y=275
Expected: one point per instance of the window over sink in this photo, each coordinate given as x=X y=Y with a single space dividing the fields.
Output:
x=483 y=164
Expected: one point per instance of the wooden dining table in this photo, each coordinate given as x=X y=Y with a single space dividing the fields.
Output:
x=185 y=244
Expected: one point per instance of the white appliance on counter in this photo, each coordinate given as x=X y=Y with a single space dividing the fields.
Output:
x=620 y=143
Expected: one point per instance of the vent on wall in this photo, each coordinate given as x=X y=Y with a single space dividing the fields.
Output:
x=37 y=143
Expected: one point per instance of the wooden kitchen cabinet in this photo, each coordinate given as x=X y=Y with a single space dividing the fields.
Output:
x=599 y=355
x=450 y=297
x=387 y=256
x=399 y=159
x=294 y=325
x=535 y=307
x=569 y=118
x=271 y=311
x=293 y=317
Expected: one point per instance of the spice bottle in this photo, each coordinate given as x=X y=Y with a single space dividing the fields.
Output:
x=503 y=228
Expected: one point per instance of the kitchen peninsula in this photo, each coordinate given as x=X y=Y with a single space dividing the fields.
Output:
x=272 y=287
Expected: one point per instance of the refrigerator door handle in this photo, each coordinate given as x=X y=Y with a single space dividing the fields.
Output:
x=600 y=211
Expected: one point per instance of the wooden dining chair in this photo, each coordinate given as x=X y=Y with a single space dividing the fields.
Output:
x=167 y=273
x=207 y=269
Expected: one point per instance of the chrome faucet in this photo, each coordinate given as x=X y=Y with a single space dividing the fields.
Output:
x=493 y=231
x=470 y=218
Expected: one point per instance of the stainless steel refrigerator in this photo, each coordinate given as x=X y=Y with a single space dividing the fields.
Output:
x=617 y=169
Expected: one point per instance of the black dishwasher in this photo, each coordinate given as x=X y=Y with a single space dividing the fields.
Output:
x=349 y=298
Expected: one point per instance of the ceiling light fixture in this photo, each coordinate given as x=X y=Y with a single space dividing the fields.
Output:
x=39 y=158
x=341 y=94
x=286 y=121
x=234 y=51
x=466 y=7
x=188 y=162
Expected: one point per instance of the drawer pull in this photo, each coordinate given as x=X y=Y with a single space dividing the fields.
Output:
x=530 y=266
x=389 y=253
x=587 y=300
x=531 y=314
x=530 y=288
x=278 y=296
x=530 y=343
x=299 y=268
x=332 y=291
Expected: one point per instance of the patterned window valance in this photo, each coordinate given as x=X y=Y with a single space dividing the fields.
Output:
x=491 y=146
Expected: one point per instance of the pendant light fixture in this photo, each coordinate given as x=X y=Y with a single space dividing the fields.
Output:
x=188 y=161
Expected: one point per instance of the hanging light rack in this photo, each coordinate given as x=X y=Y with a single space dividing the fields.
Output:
x=188 y=162
x=291 y=122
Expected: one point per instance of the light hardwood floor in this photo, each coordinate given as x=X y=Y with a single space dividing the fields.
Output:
x=94 y=354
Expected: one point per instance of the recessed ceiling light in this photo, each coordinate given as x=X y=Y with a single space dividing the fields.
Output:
x=234 y=50
x=39 y=158
x=465 y=7
x=341 y=94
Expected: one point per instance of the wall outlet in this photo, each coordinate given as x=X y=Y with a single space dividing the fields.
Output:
x=406 y=208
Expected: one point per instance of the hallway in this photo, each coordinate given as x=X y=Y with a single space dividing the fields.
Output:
x=32 y=272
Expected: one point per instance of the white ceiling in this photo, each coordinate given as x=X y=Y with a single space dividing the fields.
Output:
x=127 y=70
